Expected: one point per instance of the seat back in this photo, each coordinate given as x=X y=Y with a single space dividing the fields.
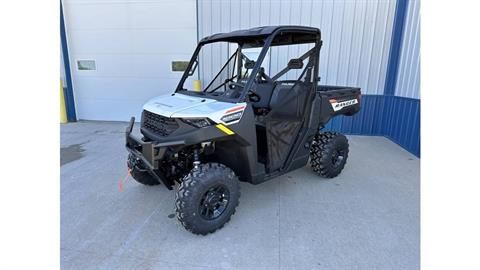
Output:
x=288 y=100
x=264 y=91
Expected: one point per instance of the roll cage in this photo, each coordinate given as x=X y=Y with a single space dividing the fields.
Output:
x=264 y=37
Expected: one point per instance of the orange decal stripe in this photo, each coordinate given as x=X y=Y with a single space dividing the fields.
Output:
x=235 y=109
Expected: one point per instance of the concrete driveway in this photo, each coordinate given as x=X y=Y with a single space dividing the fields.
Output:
x=366 y=218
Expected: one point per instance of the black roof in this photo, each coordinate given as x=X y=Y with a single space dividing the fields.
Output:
x=261 y=31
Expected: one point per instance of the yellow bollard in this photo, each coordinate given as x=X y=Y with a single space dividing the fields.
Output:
x=197 y=85
x=63 y=112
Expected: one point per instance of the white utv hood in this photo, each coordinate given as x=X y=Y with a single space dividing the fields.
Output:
x=183 y=106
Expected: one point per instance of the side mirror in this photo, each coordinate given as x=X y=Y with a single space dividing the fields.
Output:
x=194 y=67
x=295 y=63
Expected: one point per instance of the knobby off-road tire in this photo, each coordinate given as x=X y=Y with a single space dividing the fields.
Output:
x=328 y=154
x=207 y=197
x=140 y=175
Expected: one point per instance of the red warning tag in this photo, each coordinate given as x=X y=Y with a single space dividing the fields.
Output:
x=121 y=187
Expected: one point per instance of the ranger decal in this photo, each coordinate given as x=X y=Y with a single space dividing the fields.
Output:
x=338 y=105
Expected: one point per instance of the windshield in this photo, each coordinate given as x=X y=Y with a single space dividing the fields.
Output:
x=220 y=69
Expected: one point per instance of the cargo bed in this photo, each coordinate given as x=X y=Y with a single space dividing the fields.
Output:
x=338 y=100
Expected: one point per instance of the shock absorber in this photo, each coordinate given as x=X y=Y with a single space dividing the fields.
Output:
x=196 y=158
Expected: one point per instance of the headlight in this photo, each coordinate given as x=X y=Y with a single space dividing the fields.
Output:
x=197 y=122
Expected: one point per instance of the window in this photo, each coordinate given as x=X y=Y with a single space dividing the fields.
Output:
x=86 y=65
x=179 y=66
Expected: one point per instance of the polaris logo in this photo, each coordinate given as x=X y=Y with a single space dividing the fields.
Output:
x=159 y=104
x=342 y=104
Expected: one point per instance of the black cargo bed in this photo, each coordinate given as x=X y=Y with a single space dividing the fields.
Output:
x=338 y=100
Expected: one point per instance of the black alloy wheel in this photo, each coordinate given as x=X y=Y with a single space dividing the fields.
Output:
x=214 y=202
x=207 y=197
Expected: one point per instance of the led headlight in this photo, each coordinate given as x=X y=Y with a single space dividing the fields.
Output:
x=197 y=122
x=232 y=117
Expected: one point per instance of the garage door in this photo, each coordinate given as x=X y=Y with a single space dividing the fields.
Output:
x=121 y=52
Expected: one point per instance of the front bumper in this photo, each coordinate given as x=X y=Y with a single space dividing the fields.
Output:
x=148 y=152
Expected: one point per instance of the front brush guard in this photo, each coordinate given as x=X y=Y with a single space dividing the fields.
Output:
x=149 y=153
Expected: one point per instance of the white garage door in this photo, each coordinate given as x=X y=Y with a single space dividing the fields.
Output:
x=121 y=52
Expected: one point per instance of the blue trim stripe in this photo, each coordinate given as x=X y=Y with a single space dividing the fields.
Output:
x=69 y=101
x=395 y=47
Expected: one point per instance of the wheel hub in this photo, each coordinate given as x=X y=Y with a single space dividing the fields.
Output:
x=214 y=202
x=212 y=199
x=337 y=158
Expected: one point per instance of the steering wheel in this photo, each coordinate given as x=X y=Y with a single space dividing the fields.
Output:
x=233 y=92
x=261 y=74
x=235 y=84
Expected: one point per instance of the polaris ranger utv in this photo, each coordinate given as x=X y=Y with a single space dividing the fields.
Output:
x=244 y=125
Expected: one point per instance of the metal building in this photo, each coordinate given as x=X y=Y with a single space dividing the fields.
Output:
x=120 y=53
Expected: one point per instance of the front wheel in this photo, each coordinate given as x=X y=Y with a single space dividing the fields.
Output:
x=328 y=154
x=207 y=198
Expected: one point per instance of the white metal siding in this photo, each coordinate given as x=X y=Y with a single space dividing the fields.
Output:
x=356 y=33
x=133 y=44
x=408 y=80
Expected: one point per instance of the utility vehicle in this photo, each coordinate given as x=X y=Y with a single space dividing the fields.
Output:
x=245 y=124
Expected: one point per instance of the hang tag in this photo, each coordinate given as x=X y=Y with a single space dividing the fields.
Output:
x=121 y=183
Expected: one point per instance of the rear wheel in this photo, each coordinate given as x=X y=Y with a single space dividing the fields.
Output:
x=140 y=174
x=328 y=154
x=207 y=198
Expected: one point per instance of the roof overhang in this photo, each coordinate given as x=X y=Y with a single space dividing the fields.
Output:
x=254 y=37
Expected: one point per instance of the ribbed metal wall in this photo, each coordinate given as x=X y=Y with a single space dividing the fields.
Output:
x=356 y=33
x=394 y=116
x=408 y=80
x=397 y=118
x=402 y=122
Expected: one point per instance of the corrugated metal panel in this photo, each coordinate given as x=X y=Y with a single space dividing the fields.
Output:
x=365 y=122
x=356 y=34
x=408 y=81
x=397 y=118
x=403 y=126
